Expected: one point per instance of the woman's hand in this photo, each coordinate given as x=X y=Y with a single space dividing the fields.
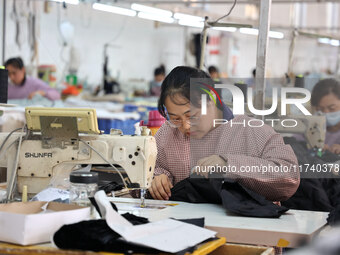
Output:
x=40 y=92
x=335 y=148
x=160 y=187
x=204 y=163
x=326 y=147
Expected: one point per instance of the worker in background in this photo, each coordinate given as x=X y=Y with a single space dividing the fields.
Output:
x=190 y=139
x=326 y=99
x=214 y=73
x=155 y=85
x=251 y=81
x=23 y=86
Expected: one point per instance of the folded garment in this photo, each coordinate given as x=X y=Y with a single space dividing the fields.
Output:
x=96 y=235
x=233 y=196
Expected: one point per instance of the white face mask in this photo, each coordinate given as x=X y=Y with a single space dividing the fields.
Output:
x=332 y=118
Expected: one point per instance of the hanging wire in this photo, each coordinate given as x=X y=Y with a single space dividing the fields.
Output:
x=231 y=9
x=13 y=178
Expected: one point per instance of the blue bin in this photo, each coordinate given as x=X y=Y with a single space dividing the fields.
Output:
x=130 y=108
x=127 y=126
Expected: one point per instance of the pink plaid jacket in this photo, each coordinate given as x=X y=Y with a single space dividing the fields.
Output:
x=242 y=148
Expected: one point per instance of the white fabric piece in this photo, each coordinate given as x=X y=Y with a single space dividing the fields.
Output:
x=166 y=235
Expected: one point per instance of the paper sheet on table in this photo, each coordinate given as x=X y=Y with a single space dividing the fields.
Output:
x=50 y=194
x=166 y=235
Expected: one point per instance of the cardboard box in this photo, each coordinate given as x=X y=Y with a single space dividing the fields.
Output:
x=240 y=249
x=23 y=223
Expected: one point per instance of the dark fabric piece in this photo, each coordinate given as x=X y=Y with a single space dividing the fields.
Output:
x=94 y=203
x=310 y=195
x=199 y=222
x=315 y=194
x=334 y=216
x=96 y=235
x=243 y=201
x=234 y=197
x=195 y=191
x=135 y=220
x=111 y=186
x=308 y=158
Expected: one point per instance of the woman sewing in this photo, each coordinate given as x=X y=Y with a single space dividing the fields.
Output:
x=190 y=139
x=326 y=99
x=23 y=86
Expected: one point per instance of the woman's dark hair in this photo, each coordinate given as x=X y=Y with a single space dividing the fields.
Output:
x=159 y=70
x=177 y=82
x=16 y=62
x=323 y=88
x=212 y=69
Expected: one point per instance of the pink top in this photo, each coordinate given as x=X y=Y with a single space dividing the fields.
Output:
x=30 y=85
x=241 y=147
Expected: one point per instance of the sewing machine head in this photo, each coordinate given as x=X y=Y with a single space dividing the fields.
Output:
x=61 y=139
x=313 y=128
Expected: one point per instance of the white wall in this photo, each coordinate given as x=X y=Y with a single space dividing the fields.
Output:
x=140 y=46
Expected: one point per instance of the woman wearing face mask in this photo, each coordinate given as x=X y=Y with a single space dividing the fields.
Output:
x=326 y=99
x=23 y=86
x=189 y=140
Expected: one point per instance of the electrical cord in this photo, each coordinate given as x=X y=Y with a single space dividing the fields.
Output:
x=204 y=35
x=231 y=9
x=7 y=137
x=3 y=152
x=103 y=158
x=12 y=180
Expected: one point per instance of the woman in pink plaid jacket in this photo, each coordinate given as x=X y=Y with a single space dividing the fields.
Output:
x=255 y=155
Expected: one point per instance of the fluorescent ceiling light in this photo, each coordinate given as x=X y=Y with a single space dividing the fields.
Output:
x=150 y=16
x=254 y=31
x=113 y=9
x=67 y=1
x=334 y=42
x=151 y=10
x=324 y=40
x=226 y=29
x=190 y=23
x=183 y=16
x=249 y=31
x=277 y=35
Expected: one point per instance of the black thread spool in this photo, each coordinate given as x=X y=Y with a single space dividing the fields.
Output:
x=3 y=85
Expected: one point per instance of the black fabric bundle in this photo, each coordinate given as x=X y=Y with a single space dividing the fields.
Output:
x=233 y=196
x=315 y=194
x=96 y=235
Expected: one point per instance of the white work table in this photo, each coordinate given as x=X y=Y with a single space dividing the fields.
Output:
x=295 y=226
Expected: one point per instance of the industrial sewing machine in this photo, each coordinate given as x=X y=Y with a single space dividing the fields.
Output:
x=313 y=128
x=58 y=140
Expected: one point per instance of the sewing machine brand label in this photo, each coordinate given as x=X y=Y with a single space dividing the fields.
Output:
x=38 y=155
